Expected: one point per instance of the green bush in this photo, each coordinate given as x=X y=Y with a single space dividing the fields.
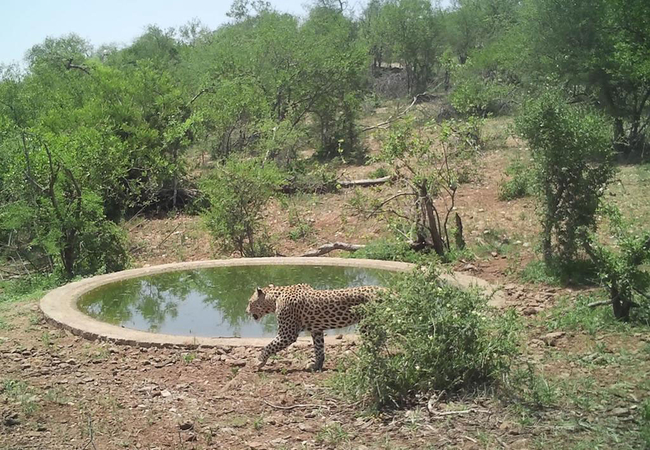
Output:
x=574 y=162
x=312 y=179
x=427 y=335
x=379 y=172
x=239 y=192
x=645 y=422
x=623 y=268
x=388 y=250
x=521 y=183
x=476 y=96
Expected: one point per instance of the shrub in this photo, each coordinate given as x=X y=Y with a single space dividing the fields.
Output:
x=379 y=172
x=476 y=96
x=623 y=270
x=521 y=183
x=645 y=422
x=428 y=335
x=239 y=192
x=435 y=176
x=312 y=179
x=574 y=161
x=388 y=250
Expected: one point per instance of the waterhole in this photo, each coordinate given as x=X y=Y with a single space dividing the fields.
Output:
x=211 y=302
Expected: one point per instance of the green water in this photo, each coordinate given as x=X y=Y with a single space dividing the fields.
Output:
x=210 y=302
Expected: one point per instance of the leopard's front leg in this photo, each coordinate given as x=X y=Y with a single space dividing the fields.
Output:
x=287 y=335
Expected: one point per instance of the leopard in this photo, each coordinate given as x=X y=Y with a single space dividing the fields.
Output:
x=300 y=307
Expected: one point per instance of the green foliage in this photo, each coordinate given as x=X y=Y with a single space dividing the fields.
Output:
x=238 y=192
x=388 y=250
x=530 y=388
x=576 y=315
x=521 y=183
x=462 y=144
x=28 y=287
x=332 y=435
x=22 y=394
x=437 y=172
x=405 y=31
x=379 y=172
x=573 y=160
x=623 y=269
x=311 y=178
x=555 y=272
x=645 y=422
x=599 y=50
x=426 y=335
x=474 y=96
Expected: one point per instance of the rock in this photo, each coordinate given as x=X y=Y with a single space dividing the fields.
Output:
x=278 y=441
x=620 y=411
x=307 y=428
x=237 y=362
x=11 y=420
x=510 y=427
x=186 y=426
x=256 y=444
x=165 y=393
x=520 y=444
x=191 y=437
x=530 y=311
x=494 y=254
x=552 y=338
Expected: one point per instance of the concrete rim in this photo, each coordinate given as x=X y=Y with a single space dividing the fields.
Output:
x=60 y=305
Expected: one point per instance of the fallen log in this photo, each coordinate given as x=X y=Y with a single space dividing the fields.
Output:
x=365 y=182
x=326 y=248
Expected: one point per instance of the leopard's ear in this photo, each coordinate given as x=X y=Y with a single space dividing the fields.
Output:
x=260 y=291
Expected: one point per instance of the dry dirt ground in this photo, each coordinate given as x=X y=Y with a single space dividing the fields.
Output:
x=62 y=392
x=59 y=391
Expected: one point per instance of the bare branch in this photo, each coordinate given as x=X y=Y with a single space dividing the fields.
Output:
x=69 y=66
x=366 y=182
x=599 y=303
x=326 y=248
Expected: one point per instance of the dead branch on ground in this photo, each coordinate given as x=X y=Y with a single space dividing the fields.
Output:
x=326 y=248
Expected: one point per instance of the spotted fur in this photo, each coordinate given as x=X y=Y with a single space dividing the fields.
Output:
x=301 y=307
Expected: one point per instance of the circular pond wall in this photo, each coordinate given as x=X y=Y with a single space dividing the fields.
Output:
x=64 y=305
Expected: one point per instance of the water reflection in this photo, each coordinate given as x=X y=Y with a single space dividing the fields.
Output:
x=210 y=302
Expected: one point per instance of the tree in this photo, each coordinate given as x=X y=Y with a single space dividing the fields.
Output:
x=574 y=162
x=374 y=30
x=621 y=268
x=61 y=159
x=415 y=33
x=429 y=174
x=238 y=192
x=599 y=51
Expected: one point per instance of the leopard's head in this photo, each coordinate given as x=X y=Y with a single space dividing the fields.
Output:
x=261 y=303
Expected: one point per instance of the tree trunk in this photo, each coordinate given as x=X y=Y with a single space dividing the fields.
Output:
x=432 y=222
x=620 y=141
x=460 y=240
x=620 y=303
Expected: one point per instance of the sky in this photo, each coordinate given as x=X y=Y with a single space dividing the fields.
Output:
x=25 y=23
